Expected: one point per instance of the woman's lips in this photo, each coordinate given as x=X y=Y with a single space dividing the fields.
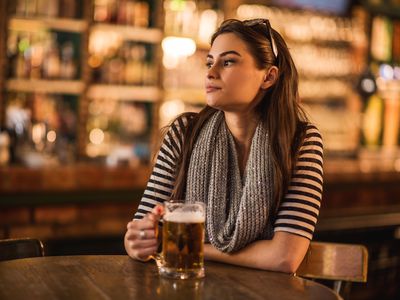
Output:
x=210 y=89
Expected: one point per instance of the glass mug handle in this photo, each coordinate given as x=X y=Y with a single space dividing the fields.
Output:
x=157 y=257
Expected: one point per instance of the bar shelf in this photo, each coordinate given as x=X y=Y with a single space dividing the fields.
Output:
x=189 y=95
x=132 y=33
x=122 y=92
x=72 y=87
x=34 y=24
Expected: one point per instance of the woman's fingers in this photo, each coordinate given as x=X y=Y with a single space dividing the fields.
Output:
x=144 y=223
x=139 y=244
x=144 y=253
x=158 y=210
x=136 y=234
x=141 y=237
x=156 y=214
x=140 y=249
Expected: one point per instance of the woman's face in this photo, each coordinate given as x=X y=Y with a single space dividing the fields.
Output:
x=233 y=81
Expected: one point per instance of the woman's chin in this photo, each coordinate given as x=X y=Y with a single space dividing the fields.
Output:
x=212 y=103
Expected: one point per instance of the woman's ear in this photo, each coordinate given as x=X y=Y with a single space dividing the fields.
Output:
x=270 y=77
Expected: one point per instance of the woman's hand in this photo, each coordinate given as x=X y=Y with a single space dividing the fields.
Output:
x=141 y=238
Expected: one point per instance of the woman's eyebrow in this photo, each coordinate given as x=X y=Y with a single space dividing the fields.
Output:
x=225 y=53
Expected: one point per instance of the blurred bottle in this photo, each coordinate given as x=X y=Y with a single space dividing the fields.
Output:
x=141 y=14
x=396 y=42
x=49 y=8
x=130 y=13
x=381 y=39
x=149 y=74
x=122 y=12
x=27 y=8
x=4 y=148
x=36 y=57
x=96 y=64
x=372 y=126
x=51 y=63
x=181 y=18
x=18 y=124
x=68 y=67
x=101 y=11
x=135 y=65
x=391 y=122
x=116 y=68
x=40 y=8
x=26 y=47
x=68 y=8
x=18 y=63
x=113 y=10
x=132 y=66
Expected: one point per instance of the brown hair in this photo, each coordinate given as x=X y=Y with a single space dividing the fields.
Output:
x=279 y=109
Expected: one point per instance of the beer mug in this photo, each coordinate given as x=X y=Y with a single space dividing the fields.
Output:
x=182 y=240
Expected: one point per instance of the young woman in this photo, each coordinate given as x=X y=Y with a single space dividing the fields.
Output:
x=250 y=155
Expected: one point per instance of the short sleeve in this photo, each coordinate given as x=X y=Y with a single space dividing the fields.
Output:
x=299 y=209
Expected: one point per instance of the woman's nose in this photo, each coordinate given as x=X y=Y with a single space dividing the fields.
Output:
x=212 y=72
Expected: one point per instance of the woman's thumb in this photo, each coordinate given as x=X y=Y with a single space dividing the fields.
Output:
x=157 y=212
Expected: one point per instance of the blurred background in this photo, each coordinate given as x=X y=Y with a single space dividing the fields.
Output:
x=86 y=85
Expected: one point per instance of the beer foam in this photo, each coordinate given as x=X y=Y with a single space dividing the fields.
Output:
x=185 y=217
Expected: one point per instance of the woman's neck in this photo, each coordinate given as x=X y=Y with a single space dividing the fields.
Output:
x=242 y=127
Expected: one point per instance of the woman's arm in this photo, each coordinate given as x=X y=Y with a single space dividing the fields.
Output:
x=162 y=179
x=141 y=238
x=296 y=219
x=284 y=253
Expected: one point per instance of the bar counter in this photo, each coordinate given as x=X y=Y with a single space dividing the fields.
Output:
x=351 y=187
x=81 y=176
x=72 y=178
x=359 y=190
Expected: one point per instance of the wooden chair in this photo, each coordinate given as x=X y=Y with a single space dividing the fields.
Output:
x=20 y=248
x=338 y=262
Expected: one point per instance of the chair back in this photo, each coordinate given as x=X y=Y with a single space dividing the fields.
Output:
x=340 y=262
x=332 y=261
x=20 y=248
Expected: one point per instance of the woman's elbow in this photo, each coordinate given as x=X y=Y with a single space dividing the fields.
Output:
x=288 y=263
x=289 y=266
x=281 y=264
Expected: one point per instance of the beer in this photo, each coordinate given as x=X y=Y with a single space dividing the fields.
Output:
x=183 y=240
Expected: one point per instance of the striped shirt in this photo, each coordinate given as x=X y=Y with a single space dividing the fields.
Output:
x=298 y=211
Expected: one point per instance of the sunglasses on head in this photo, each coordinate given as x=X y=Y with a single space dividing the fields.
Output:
x=264 y=22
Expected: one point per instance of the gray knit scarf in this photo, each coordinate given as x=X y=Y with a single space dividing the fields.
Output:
x=237 y=210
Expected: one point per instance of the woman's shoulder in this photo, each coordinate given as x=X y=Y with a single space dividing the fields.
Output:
x=311 y=132
x=177 y=128
x=312 y=140
x=181 y=122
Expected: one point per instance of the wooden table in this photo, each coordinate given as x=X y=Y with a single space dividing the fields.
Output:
x=119 y=277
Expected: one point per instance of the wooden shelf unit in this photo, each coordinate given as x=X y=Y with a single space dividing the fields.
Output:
x=83 y=87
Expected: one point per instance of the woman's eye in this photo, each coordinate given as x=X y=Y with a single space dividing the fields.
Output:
x=208 y=64
x=228 y=62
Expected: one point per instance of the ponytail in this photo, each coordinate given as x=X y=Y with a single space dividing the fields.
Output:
x=286 y=120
